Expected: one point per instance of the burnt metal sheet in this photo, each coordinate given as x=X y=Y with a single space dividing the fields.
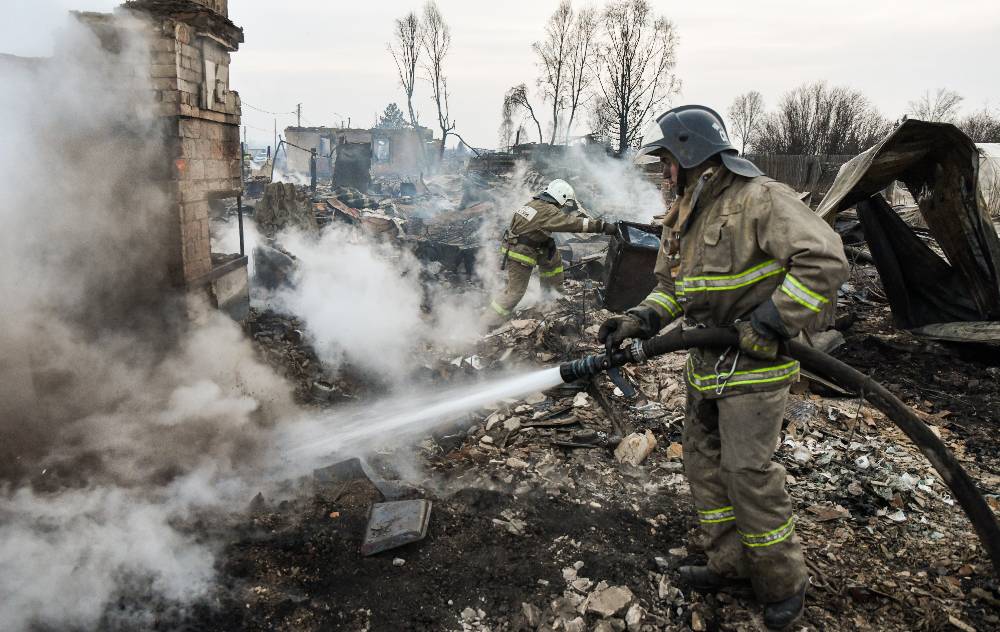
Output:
x=630 y=263
x=940 y=167
x=921 y=287
x=396 y=523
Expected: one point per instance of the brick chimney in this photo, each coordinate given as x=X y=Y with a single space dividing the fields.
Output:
x=219 y=6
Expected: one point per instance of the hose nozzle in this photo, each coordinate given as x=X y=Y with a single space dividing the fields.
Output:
x=584 y=368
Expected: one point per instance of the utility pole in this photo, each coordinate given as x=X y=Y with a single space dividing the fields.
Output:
x=275 y=145
x=298 y=111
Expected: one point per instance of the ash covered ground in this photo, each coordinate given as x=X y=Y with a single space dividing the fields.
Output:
x=537 y=526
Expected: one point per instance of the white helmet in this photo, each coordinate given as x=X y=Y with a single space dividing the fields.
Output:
x=561 y=192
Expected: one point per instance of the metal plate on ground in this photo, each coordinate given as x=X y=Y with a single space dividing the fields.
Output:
x=394 y=524
x=341 y=472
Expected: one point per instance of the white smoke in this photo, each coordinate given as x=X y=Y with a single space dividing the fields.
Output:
x=120 y=417
x=363 y=302
x=610 y=189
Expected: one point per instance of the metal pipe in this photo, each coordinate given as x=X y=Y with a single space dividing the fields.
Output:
x=239 y=199
x=951 y=471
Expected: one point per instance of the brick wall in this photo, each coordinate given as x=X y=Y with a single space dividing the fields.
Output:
x=190 y=76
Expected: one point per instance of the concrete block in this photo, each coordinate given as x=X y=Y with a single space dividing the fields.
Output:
x=187 y=74
x=163 y=44
x=164 y=109
x=189 y=128
x=164 y=83
x=188 y=86
x=232 y=293
x=163 y=70
x=195 y=169
x=189 y=51
x=164 y=58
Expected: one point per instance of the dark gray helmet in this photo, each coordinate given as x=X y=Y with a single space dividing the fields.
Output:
x=693 y=134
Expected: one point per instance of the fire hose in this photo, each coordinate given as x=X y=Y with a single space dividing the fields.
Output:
x=848 y=378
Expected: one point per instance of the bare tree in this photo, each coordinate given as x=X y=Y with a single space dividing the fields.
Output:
x=747 y=115
x=406 y=54
x=583 y=45
x=817 y=119
x=514 y=102
x=982 y=126
x=941 y=107
x=436 y=41
x=554 y=60
x=635 y=67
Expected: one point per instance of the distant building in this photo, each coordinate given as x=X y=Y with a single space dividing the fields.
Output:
x=405 y=152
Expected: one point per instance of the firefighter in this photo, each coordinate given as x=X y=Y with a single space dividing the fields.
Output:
x=528 y=243
x=748 y=254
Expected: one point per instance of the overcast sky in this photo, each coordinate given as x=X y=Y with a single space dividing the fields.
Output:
x=330 y=55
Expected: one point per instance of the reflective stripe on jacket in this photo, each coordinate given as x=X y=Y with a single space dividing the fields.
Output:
x=739 y=242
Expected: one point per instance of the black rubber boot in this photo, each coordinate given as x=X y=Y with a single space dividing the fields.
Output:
x=703 y=579
x=781 y=614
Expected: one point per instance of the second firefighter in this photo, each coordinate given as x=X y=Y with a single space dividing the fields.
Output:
x=528 y=243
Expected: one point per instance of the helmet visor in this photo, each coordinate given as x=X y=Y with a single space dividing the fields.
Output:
x=652 y=145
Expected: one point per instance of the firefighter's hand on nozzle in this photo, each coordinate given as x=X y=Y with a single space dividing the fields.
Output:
x=617 y=329
x=756 y=344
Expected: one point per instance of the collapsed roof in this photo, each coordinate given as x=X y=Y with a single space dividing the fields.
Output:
x=941 y=167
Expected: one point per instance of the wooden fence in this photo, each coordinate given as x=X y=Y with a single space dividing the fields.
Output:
x=812 y=174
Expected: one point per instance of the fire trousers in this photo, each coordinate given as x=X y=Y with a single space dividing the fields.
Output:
x=519 y=267
x=739 y=492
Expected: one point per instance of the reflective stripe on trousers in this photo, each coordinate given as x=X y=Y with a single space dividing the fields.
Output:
x=770 y=538
x=763 y=375
x=716 y=516
x=499 y=309
x=516 y=256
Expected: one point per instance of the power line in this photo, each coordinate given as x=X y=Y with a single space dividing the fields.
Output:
x=254 y=127
x=254 y=107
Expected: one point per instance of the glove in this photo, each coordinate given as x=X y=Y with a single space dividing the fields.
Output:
x=756 y=344
x=610 y=228
x=638 y=322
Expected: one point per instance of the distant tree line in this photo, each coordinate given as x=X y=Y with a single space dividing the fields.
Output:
x=817 y=118
x=616 y=64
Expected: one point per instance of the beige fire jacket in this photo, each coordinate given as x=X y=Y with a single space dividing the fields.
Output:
x=741 y=242
x=533 y=224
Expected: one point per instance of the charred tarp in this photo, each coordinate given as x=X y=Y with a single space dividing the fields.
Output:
x=940 y=167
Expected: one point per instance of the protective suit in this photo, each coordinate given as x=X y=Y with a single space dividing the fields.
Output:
x=528 y=243
x=747 y=253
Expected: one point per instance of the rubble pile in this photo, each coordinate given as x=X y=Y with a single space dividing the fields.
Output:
x=568 y=509
x=283 y=344
x=282 y=206
x=539 y=523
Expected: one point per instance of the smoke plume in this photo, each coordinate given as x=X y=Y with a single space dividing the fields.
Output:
x=121 y=419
